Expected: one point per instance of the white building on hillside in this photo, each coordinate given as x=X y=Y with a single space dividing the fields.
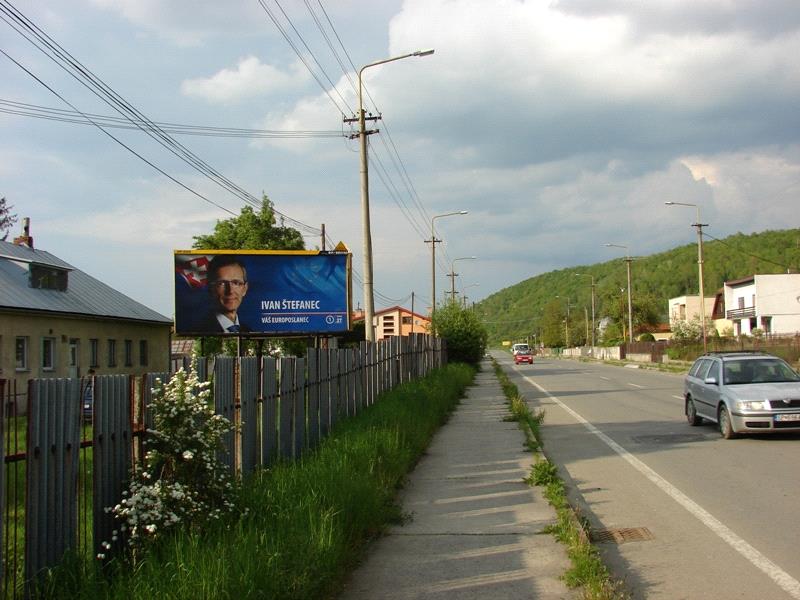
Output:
x=767 y=302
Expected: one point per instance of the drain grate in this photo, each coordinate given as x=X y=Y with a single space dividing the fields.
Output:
x=620 y=536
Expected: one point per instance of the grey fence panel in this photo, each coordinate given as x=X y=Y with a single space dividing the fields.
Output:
x=313 y=385
x=367 y=374
x=324 y=393
x=375 y=357
x=395 y=362
x=224 y=395
x=373 y=374
x=285 y=408
x=358 y=377
x=2 y=474
x=388 y=367
x=52 y=472
x=111 y=450
x=335 y=388
x=269 y=410
x=151 y=381
x=350 y=358
x=248 y=390
x=299 y=404
x=203 y=366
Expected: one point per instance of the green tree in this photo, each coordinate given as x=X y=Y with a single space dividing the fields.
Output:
x=7 y=218
x=553 y=316
x=251 y=230
x=465 y=335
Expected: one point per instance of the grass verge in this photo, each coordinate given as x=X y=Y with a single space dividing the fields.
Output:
x=307 y=522
x=587 y=572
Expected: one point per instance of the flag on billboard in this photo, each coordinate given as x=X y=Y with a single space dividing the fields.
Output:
x=193 y=269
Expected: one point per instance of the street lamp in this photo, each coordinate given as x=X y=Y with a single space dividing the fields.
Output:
x=592 y=276
x=369 y=306
x=433 y=241
x=628 y=260
x=699 y=226
x=464 y=292
x=566 y=323
x=453 y=274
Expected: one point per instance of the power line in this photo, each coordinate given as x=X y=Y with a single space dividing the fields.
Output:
x=299 y=54
x=57 y=54
x=120 y=142
x=77 y=117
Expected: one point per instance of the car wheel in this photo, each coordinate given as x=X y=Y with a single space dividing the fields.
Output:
x=725 y=425
x=691 y=413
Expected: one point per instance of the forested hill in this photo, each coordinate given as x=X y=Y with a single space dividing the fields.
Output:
x=512 y=313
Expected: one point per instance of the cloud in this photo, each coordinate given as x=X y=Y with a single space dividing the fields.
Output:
x=189 y=22
x=250 y=78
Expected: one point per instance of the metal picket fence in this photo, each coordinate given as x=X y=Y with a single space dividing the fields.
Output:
x=62 y=468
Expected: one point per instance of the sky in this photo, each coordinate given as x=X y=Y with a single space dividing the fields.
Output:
x=558 y=125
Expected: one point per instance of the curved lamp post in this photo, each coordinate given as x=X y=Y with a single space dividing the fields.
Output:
x=699 y=226
x=628 y=260
x=369 y=305
x=464 y=292
x=453 y=274
x=433 y=242
x=592 y=276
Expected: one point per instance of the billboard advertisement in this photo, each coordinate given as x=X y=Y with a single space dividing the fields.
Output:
x=261 y=292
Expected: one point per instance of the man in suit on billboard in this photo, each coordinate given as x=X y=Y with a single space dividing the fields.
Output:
x=227 y=287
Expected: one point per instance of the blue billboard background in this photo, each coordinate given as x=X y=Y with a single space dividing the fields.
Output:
x=287 y=293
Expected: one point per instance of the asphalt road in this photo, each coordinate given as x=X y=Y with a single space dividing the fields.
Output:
x=699 y=516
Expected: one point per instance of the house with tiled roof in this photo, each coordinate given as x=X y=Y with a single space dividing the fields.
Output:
x=57 y=321
x=399 y=321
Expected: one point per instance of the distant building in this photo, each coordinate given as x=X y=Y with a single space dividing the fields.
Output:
x=770 y=303
x=57 y=321
x=399 y=321
x=687 y=308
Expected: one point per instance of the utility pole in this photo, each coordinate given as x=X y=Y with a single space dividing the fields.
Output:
x=323 y=237
x=452 y=277
x=412 y=312
x=700 y=226
x=369 y=306
x=433 y=241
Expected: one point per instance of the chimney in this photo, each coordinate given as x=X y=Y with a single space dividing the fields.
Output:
x=25 y=239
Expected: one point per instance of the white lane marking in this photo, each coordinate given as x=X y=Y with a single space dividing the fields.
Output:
x=636 y=386
x=606 y=378
x=786 y=582
x=679 y=398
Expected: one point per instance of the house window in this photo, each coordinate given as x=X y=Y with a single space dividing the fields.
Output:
x=48 y=278
x=406 y=320
x=128 y=353
x=143 y=358
x=48 y=353
x=112 y=353
x=21 y=354
x=94 y=352
x=741 y=302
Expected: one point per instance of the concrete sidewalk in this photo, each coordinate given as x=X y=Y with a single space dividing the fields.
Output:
x=476 y=527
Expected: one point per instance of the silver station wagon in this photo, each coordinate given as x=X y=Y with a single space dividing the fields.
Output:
x=743 y=392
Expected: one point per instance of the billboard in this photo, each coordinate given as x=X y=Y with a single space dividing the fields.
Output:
x=261 y=292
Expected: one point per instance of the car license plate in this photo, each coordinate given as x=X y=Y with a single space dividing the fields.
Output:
x=793 y=417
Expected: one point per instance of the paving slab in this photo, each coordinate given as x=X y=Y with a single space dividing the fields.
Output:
x=475 y=528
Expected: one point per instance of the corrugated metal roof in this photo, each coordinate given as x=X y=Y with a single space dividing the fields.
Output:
x=85 y=295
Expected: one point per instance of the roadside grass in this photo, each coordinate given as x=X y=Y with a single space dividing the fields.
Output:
x=588 y=571
x=306 y=524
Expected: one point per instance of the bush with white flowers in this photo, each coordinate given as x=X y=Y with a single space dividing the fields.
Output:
x=182 y=484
